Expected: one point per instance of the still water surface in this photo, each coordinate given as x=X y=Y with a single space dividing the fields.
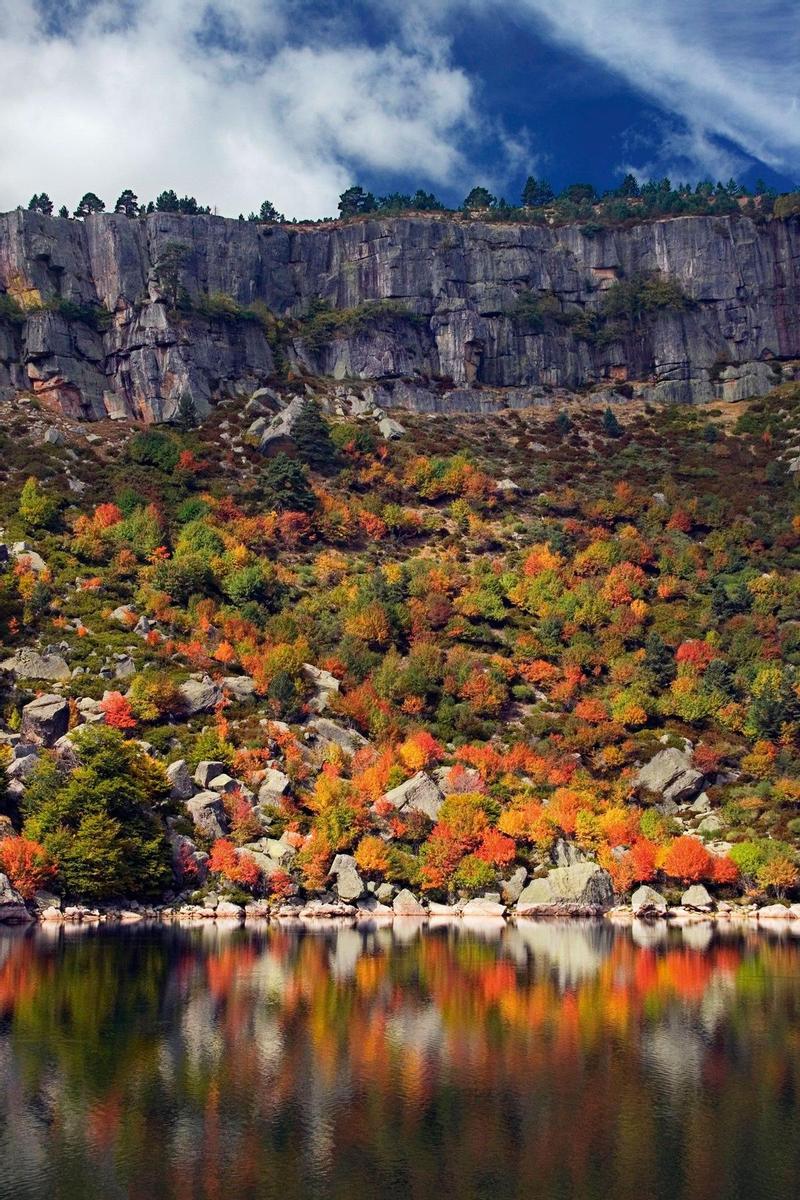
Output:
x=558 y=1061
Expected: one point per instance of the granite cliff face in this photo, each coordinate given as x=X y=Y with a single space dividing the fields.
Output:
x=449 y=340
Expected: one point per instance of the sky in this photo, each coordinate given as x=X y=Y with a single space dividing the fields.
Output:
x=238 y=101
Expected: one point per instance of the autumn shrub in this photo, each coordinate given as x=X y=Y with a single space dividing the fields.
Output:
x=27 y=865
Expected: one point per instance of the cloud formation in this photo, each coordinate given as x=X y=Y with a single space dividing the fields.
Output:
x=219 y=99
x=726 y=67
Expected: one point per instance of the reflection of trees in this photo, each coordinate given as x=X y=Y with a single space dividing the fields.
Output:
x=565 y=1061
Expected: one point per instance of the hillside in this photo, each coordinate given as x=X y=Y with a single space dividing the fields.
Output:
x=421 y=657
x=118 y=316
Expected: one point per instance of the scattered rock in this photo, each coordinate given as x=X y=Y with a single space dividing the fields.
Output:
x=208 y=813
x=419 y=793
x=182 y=787
x=670 y=774
x=199 y=695
x=348 y=883
x=45 y=720
x=647 y=902
x=697 y=898
x=406 y=904
x=483 y=906
x=511 y=889
x=389 y=429
x=329 y=731
x=325 y=685
x=583 y=886
x=12 y=906
x=207 y=770
x=29 y=664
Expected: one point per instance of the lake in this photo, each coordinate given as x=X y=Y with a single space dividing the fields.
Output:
x=563 y=1061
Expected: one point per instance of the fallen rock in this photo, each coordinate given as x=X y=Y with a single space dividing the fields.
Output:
x=582 y=886
x=772 y=912
x=324 y=683
x=483 y=906
x=199 y=695
x=182 y=786
x=390 y=429
x=348 y=883
x=419 y=793
x=208 y=813
x=45 y=720
x=29 y=664
x=567 y=854
x=274 y=785
x=511 y=889
x=207 y=770
x=647 y=902
x=225 y=910
x=697 y=898
x=12 y=906
x=671 y=775
x=406 y=904
x=240 y=688
x=329 y=731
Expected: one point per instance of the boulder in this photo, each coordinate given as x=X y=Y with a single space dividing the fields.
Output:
x=419 y=793
x=711 y=825
x=406 y=904
x=274 y=785
x=566 y=854
x=22 y=768
x=227 y=911
x=671 y=775
x=224 y=783
x=324 y=683
x=776 y=912
x=511 y=889
x=583 y=886
x=182 y=787
x=329 y=731
x=483 y=906
x=207 y=770
x=461 y=779
x=240 y=688
x=697 y=898
x=12 y=906
x=124 y=615
x=189 y=864
x=384 y=892
x=647 y=902
x=45 y=720
x=390 y=429
x=208 y=813
x=199 y=695
x=30 y=664
x=348 y=883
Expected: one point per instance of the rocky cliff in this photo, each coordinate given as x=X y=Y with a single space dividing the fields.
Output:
x=97 y=322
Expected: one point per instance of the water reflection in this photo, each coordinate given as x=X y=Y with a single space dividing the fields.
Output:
x=553 y=1061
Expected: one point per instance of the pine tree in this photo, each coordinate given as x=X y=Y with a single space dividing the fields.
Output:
x=312 y=437
x=285 y=486
x=611 y=426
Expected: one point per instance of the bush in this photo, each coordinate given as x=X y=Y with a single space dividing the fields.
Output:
x=285 y=486
x=154 y=449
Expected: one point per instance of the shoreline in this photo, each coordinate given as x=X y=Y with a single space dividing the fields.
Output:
x=770 y=917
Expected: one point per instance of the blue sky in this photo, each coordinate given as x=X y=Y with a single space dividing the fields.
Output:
x=235 y=101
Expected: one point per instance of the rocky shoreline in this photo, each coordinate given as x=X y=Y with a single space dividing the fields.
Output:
x=320 y=912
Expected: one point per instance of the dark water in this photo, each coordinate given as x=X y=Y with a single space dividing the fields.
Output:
x=544 y=1061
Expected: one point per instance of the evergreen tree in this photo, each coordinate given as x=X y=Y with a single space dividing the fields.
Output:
x=186 y=415
x=611 y=426
x=41 y=204
x=536 y=193
x=355 y=200
x=63 y=211
x=285 y=485
x=269 y=214
x=479 y=197
x=128 y=203
x=90 y=203
x=563 y=424
x=312 y=437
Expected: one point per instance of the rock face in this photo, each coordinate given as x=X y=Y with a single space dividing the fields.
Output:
x=452 y=284
x=29 y=664
x=584 y=885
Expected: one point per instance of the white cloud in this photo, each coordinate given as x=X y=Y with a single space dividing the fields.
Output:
x=727 y=67
x=138 y=96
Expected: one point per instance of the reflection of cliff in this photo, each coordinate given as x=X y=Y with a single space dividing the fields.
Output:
x=453 y=315
x=353 y=1062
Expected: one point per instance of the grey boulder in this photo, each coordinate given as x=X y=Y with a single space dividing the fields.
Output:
x=45 y=720
x=671 y=775
x=584 y=885
x=419 y=793
x=208 y=813
x=647 y=902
